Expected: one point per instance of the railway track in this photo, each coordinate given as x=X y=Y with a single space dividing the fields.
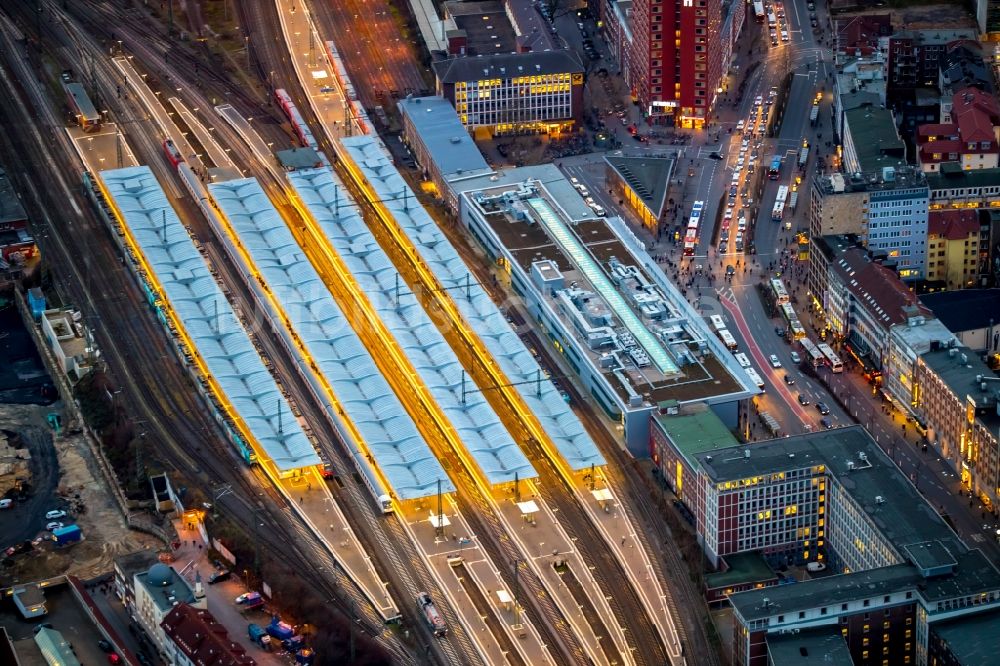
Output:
x=186 y=452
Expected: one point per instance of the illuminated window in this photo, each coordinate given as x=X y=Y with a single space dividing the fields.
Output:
x=885 y=625
x=864 y=654
x=909 y=633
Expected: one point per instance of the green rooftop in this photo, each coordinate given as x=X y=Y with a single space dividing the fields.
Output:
x=953 y=176
x=694 y=432
x=749 y=567
x=875 y=138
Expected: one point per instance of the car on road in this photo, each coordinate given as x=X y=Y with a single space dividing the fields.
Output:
x=795 y=357
x=822 y=408
x=759 y=100
x=104 y=645
x=6 y=503
x=715 y=155
x=55 y=514
x=740 y=125
x=775 y=363
x=54 y=525
x=219 y=576
x=803 y=400
x=826 y=422
x=789 y=380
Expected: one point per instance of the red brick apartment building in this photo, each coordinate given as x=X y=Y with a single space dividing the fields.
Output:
x=676 y=59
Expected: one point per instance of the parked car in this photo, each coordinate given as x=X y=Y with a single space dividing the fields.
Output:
x=54 y=525
x=55 y=514
x=823 y=409
x=104 y=645
x=219 y=576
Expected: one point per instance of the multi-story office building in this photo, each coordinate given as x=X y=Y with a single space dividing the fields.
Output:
x=514 y=93
x=886 y=210
x=600 y=300
x=897 y=221
x=676 y=60
x=957 y=398
x=619 y=30
x=953 y=248
x=835 y=498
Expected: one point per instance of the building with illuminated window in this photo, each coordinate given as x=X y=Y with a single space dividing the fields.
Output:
x=886 y=209
x=597 y=298
x=676 y=59
x=514 y=93
x=953 y=260
x=893 y=570
x=957 y=398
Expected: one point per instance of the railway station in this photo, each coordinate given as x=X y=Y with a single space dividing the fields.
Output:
x=517 y=365
x=357 y=398
x=496 y=456
x=258 y=418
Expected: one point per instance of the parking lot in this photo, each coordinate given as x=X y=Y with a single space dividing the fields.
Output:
x=66 y=616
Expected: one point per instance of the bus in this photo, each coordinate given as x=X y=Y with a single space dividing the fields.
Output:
x=813 y=355
x=779 y=291
x=742 y=359
x=754 y=377
x=778 y=212
x=718 y=324
x=728 y=339
x=774 y=171
x=758 y=10
x=691 y=235
x=803 y=154
x=796 y=331
x=831 y=357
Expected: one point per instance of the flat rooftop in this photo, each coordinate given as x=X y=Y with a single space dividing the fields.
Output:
x=958 y=368
x=823 y=645
x=486 y=26
x=648 y=177
x=965 y=309
x=973 y=640
x=695 y=432
x=889 y=499
x=441 y=131
x=749 y=567
x=617 y=304
x=922 y=540
x=11 y=209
